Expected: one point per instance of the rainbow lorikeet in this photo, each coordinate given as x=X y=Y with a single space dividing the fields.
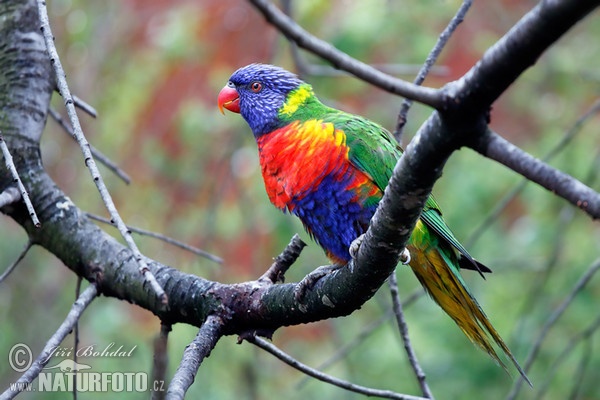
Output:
x=330 y=169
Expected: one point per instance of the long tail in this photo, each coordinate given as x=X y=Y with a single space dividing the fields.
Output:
x=441 y=279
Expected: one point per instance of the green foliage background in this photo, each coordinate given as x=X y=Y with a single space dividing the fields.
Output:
x=153 y=71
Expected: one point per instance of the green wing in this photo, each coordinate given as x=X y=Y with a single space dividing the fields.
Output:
x=375 y=152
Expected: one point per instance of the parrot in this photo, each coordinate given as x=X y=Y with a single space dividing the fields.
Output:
x=330 y=169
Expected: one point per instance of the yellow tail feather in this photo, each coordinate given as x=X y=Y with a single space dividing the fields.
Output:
x=447 y=289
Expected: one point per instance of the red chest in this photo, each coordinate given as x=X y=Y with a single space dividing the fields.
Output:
x=295 y=159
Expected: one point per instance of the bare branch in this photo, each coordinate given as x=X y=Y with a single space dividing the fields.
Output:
x=65 y=328
x=89 y=159
x=514 y=53
x=108 y=163
x=562 y=144
x=164 y=238
x=341 y=60
x=82 y=105
x=428 y=65
x=76 y=336
x=364 y=334
x=292 y=362
x=403 y=328
x=8 y=160
x=497 y=148
x=16 y=262
x=161 y=360
x=277 y=270
x=193 y=355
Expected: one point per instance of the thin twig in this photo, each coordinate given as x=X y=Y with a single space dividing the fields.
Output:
x=341 y=60
x=193 y=355
x=304 y=68
x=562 y=144
x=585 y=278
x=342 y=351
x=277 y=270
x=292 y=362
x=16 y=262
x=82 y=105
x=76 y=336
x=565 y=216
x=164 y=238
x=161 y=361
x=431 y=59
x=89 y=159
x=8 y=160
x=391 y=69
x=403 y=329
x=55 y=340
x=108 y=163
x=345 y=349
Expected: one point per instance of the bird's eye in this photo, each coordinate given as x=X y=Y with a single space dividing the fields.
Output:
x=256 y=87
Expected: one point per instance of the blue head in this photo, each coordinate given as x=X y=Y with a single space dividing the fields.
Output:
x=257 y=92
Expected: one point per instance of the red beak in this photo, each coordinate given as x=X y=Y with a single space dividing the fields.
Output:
x=229 y=98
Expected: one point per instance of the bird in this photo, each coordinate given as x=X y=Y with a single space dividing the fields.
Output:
x=330 y=169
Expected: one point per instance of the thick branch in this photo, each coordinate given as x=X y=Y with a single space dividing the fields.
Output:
x=497 y=148
x=515 y=52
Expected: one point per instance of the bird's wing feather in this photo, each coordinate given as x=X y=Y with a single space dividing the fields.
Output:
x=375 y=152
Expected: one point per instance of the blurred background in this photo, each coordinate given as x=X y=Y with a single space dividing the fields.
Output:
x=153 y=70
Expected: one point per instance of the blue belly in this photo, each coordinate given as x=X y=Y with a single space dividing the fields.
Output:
x=334 y=217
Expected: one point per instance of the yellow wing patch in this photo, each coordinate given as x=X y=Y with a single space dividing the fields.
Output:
x=316 y=133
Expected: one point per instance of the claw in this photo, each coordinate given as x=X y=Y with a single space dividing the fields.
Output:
x=311 y=279
x=405 y=256
x=355 y=246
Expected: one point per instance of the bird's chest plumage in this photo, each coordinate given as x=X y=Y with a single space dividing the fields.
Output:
x=307 y=171
x=295 y=161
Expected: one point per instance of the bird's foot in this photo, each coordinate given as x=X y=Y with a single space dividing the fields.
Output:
x=405 y=256
x=309 y=280
x=355 y=246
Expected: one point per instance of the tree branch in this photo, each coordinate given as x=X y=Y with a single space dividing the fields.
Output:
x=164 y=238
x=15 y=175
x=403 y=328
x=160 y=359
x=429 y=62
x=342 y=60
x=514 y=53
x=65 y=328
x=193 y=355
x=497 y=148
x=95 y=152
x=63 y=89
x=11 y=267
x=562 y=144
x=292 y=362
x=277 y=270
